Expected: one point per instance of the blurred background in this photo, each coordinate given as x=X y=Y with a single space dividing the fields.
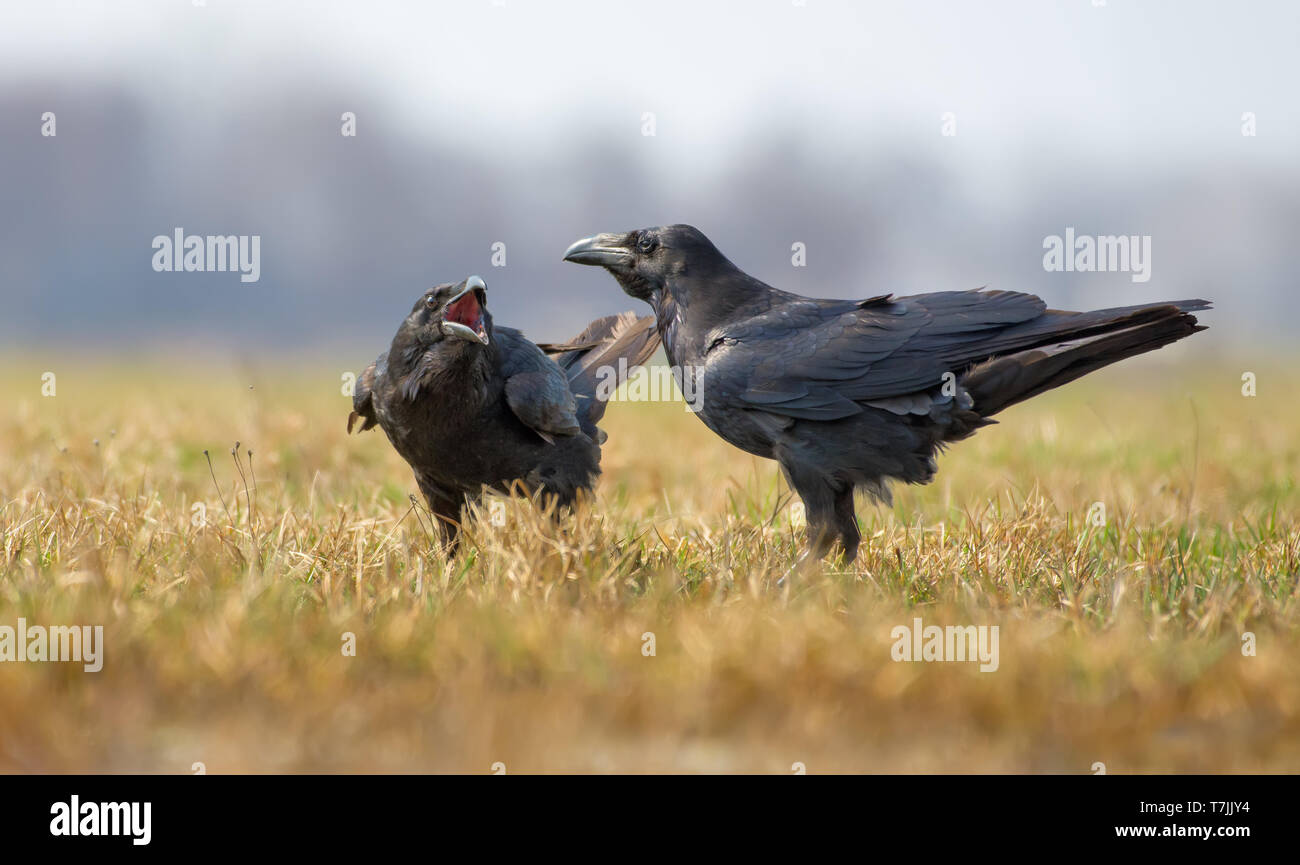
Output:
x=775 y=122
x=502 y=121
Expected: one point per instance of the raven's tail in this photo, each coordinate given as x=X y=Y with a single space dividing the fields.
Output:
x=1075 y=344
x=601 y=358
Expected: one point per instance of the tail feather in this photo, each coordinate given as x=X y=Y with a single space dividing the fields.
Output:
x=591 y=357
x=1098 y=339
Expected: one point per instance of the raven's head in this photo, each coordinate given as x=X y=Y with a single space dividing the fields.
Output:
x=452 y=313
x=649 y=260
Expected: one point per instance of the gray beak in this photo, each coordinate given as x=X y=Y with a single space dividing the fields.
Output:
x=476 y=329
x=603 y=250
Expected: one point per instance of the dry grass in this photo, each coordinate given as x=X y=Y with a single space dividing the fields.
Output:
x=1119 y=644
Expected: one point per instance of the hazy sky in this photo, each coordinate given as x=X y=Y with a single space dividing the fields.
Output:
x=1152 y=80
x=504 y=120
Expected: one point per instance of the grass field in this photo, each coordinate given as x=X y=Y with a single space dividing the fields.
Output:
x=224 y=604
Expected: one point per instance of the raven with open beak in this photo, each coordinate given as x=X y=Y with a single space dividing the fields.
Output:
x=464 y=313
x=470 y=405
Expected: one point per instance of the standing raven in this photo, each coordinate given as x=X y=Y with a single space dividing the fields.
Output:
x=469 y=404
x=849 y=394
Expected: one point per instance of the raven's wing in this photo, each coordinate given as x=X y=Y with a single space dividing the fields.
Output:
x=602 y=357
x=536 y=390
x=819 y=360
x=363 y=406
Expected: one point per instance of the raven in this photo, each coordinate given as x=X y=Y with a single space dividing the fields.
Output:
x=849 y=394
x=469 y=404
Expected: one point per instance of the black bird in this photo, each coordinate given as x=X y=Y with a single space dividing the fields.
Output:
x=850 y=394
x=470 y=404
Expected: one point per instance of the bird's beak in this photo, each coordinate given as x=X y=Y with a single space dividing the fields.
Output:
x=603 y=250
x=463 y=317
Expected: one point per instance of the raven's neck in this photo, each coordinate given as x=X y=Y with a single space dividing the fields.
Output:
x=691 y=312
x=450 y=366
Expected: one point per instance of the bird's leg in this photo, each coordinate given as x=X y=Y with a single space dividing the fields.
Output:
x=820 y=506
x=446 y=508
x=846 y=522
x=448 y=529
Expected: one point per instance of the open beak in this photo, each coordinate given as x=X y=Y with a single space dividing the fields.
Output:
x=465 y=314
x=603 y=250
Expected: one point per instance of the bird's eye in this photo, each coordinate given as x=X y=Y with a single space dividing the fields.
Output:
x=430 y=301
x=647 y=244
